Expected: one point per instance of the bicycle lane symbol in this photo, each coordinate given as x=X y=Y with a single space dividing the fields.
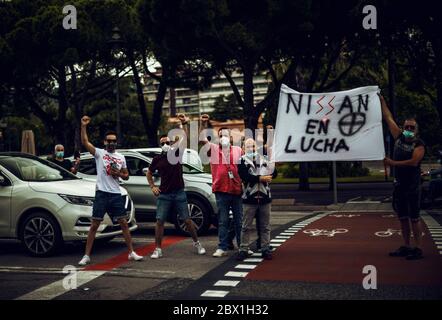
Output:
x=324 y=232
x=390 y=232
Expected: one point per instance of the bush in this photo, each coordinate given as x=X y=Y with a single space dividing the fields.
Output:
x=324 y=169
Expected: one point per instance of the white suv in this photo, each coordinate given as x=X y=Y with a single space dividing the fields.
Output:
x=44 y=205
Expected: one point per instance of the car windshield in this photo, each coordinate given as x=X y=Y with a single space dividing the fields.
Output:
x=34 y=169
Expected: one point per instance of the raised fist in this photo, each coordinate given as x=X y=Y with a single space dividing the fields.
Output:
x=182 y=117
x=205 y=118
x=85 y=120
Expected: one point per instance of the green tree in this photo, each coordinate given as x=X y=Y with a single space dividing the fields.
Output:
x=226 y=108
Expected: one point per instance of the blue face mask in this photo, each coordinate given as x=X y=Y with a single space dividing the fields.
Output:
x=408 y=134
x=59 y=154
x=251 y=154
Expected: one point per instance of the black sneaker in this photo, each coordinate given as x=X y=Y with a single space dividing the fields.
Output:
x=415 y=254
x=267 y=255
x=231 y=247
x=241 y=255
x=401 y=252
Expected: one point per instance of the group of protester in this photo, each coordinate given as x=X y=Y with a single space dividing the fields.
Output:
x=241 y=184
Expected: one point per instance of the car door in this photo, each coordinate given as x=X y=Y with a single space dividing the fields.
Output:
x=137 y=185
x=5 y=205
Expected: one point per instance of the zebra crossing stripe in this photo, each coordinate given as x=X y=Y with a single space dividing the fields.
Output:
x=245 y=266
x=226 y=283
x=236 y=274
x=254 y=260
x=214 y=294
x=279 y=239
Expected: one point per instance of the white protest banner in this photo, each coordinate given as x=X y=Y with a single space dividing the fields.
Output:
x=335 y=126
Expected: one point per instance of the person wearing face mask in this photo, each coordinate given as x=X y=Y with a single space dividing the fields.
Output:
x=58 y=159
x=256 y=173
x=111 y=166
x=408 y=153
x=226 y=184
x=171 y=197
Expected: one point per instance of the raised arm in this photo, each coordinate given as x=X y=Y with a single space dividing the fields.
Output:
x=388 y=117
x=84 y=138
x=184 y=124
x=204 y=120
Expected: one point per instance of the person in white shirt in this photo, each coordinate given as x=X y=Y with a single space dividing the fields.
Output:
x=111 y=166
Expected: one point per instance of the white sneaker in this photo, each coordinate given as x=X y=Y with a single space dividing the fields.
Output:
x=157 y=253
x=85 y=260
x=250 y=252
x=220 y=253
x=134 y=256
x=199 y=248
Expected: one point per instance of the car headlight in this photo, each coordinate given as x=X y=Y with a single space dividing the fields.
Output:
x=81 y=201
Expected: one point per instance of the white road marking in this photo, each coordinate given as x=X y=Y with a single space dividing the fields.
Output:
x=215 y=293
x=256 y=254
x=278 y=240
x=253 y=260
x=226 y=283
x=7 y=269
x=236 y=274
x=282 y=237
x=276 y=244
x=56 y=288
x=287 y=233
x=362 y=202
x=246 y=266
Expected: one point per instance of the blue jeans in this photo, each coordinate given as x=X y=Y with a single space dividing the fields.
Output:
x=225 y=203
x=112 y=203
x=176 y=201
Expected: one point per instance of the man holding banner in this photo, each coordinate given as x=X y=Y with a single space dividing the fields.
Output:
x=408 y=153
x=347 y=126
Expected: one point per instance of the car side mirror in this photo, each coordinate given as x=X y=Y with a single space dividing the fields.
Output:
x=145 y=170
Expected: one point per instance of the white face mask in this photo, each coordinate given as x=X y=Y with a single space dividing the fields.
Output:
x=165 y=148
x=225 y=141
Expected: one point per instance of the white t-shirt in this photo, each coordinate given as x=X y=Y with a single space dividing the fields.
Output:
x=103 y=160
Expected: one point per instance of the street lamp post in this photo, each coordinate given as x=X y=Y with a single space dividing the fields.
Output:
x=116 y=43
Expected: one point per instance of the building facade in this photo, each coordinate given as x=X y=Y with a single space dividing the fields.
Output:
x=196 y=102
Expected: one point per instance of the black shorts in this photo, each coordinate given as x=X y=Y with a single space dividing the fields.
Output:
x=407 y=202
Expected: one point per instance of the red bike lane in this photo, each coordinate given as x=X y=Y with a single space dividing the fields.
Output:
x=317 y=254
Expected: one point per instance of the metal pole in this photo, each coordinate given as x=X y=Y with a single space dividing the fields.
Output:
x=118 y=107
x=335 y=185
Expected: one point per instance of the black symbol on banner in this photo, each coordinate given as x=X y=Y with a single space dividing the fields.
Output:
x=351 y=123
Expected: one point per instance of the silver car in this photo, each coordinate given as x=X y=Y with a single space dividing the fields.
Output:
x=44 y=205
x=198 y=186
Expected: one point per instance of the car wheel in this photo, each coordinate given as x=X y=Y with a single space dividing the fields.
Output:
x=200 y=215
x=41 y=235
